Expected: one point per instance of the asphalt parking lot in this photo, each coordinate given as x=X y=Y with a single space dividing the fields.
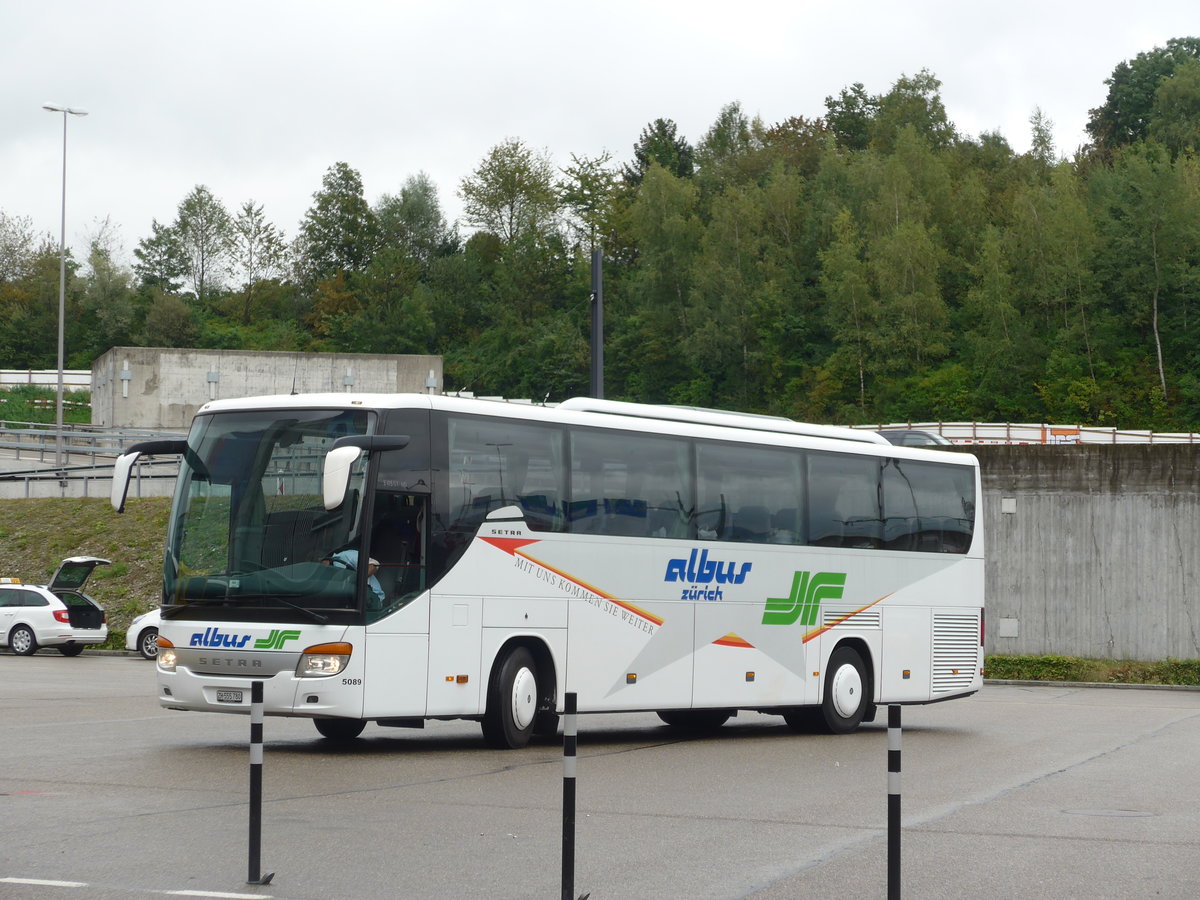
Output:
x=1019 y=792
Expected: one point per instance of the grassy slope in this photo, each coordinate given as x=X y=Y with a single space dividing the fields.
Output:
x=35 y=535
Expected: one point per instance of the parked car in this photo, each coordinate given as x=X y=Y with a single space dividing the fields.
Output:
x=57 y=614
x=908 y=438
x=142 y=635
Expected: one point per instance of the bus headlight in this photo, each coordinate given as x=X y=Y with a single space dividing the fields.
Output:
x=166 y=655
x=323 y=660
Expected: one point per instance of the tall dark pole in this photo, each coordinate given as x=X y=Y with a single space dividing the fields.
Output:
x=62 y=285
x=597 y=323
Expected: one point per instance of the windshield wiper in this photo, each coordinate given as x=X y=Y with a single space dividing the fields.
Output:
x=311 y=613
x=169 y=612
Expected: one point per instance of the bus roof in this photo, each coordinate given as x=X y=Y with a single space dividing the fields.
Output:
x=699 y=416
x=681 y=414
x=584 y=410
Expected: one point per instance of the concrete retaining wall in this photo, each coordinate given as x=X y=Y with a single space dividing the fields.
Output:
x=1093 y=550
x=152 y=387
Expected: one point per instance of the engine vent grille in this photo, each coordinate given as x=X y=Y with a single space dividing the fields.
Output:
x=955 y=652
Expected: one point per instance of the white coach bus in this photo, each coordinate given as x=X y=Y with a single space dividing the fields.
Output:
x=400 y=558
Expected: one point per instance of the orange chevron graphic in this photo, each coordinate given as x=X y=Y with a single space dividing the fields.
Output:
x=733 y=640
x=817 y=632
x=512 y=546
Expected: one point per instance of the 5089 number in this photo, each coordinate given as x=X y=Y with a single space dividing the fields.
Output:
x=351 y=681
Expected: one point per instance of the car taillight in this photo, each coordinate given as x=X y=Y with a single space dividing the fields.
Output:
x=62 y=615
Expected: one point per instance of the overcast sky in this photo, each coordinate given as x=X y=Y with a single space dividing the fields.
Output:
x=258 y=98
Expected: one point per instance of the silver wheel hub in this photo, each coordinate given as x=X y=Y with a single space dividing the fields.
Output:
x=524 y=698
x=846 y=691
x=21 y=641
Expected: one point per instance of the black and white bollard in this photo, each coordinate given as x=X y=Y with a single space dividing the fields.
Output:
x=256 y=761
x=893 y=865
x=568 y=822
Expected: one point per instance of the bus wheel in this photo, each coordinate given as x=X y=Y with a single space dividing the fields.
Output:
x=697 y=721
x=512 y=702
x=846 y=696
x=340 y=729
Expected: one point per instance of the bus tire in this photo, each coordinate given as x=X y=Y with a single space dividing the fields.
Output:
x=695 y=721
x=847 y=693
x=340 y=729
x=512 y=702
x=545 y=724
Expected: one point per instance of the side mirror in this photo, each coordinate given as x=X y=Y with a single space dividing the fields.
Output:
x=120 y=481
x=336 y=476
x=124 y=465
x=339 y=460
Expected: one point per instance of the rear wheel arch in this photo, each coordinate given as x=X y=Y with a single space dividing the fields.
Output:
x=542 y=658
x=513 y=713
x=863 y=649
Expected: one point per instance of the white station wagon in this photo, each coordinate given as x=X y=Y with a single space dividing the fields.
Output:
x=56 y=615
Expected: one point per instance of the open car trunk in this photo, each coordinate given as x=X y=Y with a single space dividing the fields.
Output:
x=82 y=612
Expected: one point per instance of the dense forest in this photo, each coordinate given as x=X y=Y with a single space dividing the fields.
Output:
x=868 y=264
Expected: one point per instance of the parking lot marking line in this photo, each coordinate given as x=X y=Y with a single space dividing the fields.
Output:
x=43 y=882
x=221 y=894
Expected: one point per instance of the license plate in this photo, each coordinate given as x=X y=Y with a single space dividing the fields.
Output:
x=229 y=696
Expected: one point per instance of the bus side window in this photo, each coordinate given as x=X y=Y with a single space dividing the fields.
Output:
x=844 y=501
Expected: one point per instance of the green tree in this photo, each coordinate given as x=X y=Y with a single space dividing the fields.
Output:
x=18 y=245
x=590 y=192
x=1127 y=110
x=646 y=343
x=339 y=232
x=727 y=142
x=413 y=220
x=913 y=101
x=169 y=322
x=108 y=313
x=849 y=116
x=851 y=308
x=1041 y=145
x=511 y=193
x=203 y=228
x=258 y=252
x=1175 y=116
x=160 y=260
x=1151 y=234
x=660 y=143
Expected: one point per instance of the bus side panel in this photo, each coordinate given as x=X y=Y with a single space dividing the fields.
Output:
x=531 y=619
x=630 y=656
x=905 y=665
x=736 y=667
x=494 y=639
x=395 y=672
x=455 y=640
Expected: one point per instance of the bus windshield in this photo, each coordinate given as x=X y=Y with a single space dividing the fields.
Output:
x=249 y=527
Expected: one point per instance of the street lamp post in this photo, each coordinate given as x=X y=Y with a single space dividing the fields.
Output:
x=62 y=284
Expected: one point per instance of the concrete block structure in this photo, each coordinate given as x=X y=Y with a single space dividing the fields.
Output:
x=161 y=388
x=1093 y=550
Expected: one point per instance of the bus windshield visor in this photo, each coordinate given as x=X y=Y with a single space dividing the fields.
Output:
x=249 y=525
